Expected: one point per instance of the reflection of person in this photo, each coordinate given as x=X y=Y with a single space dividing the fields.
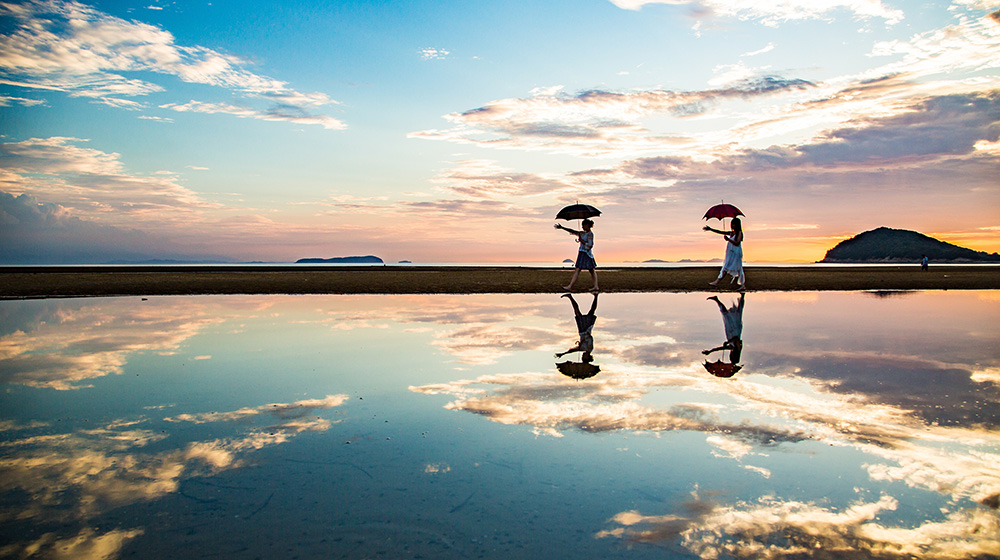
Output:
x=585 y=326
x=733 y=263
x=585 y=256
x=732 y=320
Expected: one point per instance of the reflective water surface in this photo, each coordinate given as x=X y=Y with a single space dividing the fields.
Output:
x=627 y=426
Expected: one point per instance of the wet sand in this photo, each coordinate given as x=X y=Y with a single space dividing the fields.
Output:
x=80 y=281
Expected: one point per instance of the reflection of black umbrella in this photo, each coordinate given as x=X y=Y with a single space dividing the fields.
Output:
x=578 y=370
x=577 y=212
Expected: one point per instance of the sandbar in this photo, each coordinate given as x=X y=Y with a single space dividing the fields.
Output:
x=19 y=282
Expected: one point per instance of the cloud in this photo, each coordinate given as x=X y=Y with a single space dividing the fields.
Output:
x=288 y=113
x=89 y=181
x=951 y=60
x=775 y=12
x=930 y=130
x=33 y=232
x=483 y=179
x=594 y=122
x=8 y=101
x=67 y=46
x=430 y=53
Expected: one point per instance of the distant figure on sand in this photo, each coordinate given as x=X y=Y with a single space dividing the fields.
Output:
x=733 y=265
x=924 y=263
x=585 y=327
x=585 y=256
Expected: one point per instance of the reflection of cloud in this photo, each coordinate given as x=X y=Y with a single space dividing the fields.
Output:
x=73 y=477
x=76 y=343
x=88 y=544
x=772 y=528
x=485 y=344
x=938 y=392
x=901 y=447
x=291 y=411
x=552 y=403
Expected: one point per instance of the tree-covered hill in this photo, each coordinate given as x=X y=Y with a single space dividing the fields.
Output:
x=899 y=245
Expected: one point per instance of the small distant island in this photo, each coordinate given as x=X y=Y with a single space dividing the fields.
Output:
x=368 y=259
x=887 y=245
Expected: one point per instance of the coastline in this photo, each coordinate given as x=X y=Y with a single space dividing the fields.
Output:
x=23 y=282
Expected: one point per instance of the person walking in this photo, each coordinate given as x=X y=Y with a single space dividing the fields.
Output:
x=585 y=256
x=733 y=263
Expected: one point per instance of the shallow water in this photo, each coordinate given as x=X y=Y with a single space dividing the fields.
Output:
x=441 y=427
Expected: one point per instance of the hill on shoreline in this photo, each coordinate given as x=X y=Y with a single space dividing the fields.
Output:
x=367 y=259
x=887 y=245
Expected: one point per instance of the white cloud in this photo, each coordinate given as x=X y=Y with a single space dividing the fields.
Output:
x=774 y=12
x=67 y=46
x=430 y=53
x=288 y=113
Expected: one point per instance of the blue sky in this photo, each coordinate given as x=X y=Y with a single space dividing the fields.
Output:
x=454 y=131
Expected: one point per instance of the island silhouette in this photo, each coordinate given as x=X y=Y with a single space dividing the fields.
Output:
x=887 y=245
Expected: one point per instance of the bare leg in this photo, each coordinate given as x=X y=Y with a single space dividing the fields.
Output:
x=576 y=307
x=593 y=274
x=576 y=273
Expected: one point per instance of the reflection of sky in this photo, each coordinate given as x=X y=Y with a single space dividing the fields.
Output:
x=889 y=404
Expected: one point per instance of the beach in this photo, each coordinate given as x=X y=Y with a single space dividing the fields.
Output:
x=103 y=281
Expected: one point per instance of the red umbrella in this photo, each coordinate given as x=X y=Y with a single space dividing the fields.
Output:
x=722 y=369
x=721 y=211
x=577 y=212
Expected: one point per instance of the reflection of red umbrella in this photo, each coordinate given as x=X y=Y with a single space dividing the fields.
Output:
x=578 y=370
x=577 y=212
x=721 y=211
x=722 y=369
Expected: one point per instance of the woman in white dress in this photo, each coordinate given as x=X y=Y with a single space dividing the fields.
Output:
x=733 y=264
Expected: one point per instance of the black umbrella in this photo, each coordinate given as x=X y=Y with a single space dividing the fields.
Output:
x=577 y=212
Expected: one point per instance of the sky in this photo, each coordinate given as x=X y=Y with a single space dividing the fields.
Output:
x=454 y=131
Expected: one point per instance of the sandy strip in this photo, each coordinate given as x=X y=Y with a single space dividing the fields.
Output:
x=40 y=282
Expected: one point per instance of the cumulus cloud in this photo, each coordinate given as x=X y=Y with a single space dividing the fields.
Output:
x=89 y=181
x=33 y=232
x=66 y=46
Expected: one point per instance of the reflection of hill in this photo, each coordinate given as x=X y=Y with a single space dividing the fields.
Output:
x=899 y=245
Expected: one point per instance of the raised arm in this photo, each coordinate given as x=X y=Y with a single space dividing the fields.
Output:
x=564 y=228
x=719 y=231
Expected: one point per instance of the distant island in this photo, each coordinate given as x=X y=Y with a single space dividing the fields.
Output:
x=887 y=245
x=368 y=259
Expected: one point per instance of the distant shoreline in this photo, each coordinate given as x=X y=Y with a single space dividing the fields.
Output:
x=104 y=281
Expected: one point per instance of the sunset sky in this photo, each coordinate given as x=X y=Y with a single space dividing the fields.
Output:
x=454 y=131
